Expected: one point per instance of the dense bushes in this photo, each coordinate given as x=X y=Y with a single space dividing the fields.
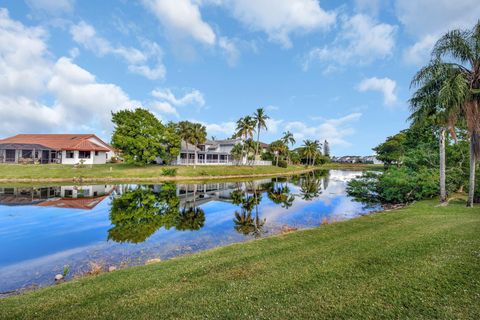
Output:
x=396 y=185
x=282 y=164
x=412 y=167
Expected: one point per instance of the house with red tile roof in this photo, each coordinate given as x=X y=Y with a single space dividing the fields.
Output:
x=55 y=148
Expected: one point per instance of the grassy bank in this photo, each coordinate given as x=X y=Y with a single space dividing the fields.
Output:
x=419 y=262
x=115 y=172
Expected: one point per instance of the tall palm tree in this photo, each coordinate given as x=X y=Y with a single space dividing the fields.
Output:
x=460 y=51
x=198 y=136
x=185 y=132
x=309 y=150
x=432 y=103
x=245 y=128
x=287 y=139
x=260 y=119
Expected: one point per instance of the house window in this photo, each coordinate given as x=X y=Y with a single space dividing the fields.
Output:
x=69 y=155
x=84 y=154
x=26 y=153
x=96 y=153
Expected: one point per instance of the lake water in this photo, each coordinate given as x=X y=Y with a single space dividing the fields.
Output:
x=44 y=228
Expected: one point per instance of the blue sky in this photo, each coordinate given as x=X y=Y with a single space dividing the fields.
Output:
x=322 y=69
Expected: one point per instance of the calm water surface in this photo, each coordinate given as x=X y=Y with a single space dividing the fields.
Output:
x=44 y=228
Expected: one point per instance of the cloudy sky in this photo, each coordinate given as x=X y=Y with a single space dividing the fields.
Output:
x=321 y=69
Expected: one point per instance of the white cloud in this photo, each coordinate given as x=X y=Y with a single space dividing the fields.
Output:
x=194 y=97
x=334 y=130
x=52 y=6
x=280 y=18
x=225 y=129
x=28 y=75
x=420 y=51
x=79 y=96
x=164 y=107
x=272 y=108
x=371 y=7
x=146 y=62
x=182 y=18
x=230 y=50
x=361 y=41
x=385 y=85
x=426 y=20
x=273 y=125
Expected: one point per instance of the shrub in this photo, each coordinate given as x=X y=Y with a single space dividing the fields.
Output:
x=282 y=163
x=169 y=172
x=396 y=185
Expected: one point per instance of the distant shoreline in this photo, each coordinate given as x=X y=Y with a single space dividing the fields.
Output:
x=153 y=173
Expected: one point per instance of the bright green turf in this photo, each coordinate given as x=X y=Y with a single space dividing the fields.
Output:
x=418 y=262
x=124 y=171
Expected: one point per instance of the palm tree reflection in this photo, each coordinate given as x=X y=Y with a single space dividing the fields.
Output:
x=245 y=222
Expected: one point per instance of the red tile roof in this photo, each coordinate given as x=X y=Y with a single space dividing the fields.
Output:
x=74 y=203
x=59 y=141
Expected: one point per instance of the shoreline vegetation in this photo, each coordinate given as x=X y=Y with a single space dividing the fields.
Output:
x=427 y=267
x=153 y=173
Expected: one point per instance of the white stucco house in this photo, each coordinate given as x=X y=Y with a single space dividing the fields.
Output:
x=55 y=148
x=213 y=152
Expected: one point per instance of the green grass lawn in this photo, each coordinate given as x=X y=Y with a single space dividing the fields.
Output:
x=124 y=171
x=419 y=262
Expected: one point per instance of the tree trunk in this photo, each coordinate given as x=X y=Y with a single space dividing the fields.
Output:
x=258 y=142
x=471 y=181
x=443 y=190
x=195 y=160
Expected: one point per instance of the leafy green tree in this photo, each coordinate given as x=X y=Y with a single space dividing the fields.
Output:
x=326 y=149
x=141 y=137
x=244 y=130
x=458 y=53
x=287 y=139
x=260 y=119
x=431 y=103
x=198 y=136
x=186 y=134
x=278 y=148
x=392 y=151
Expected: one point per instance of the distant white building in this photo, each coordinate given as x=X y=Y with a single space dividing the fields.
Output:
x=213 y=152
x=357 y=159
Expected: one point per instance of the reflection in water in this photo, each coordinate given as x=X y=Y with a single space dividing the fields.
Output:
x=44 y=228
x=141 y=210
x=244 y=222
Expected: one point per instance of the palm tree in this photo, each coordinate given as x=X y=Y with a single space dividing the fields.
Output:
x=277 y=147
x=198 y=136
x=260 y=119
x=245 y=128
x=185 y=132
x=431 y=103
x=287 y=139
x=309 y=149
x=460 y=51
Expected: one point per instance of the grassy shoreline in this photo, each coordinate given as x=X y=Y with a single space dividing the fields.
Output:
x=153 y=173
x=418 y=262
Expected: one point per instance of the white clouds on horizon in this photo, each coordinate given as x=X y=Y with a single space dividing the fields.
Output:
x=138 y=60
x=28 y=75
x=361 y=40
x=386 y=86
